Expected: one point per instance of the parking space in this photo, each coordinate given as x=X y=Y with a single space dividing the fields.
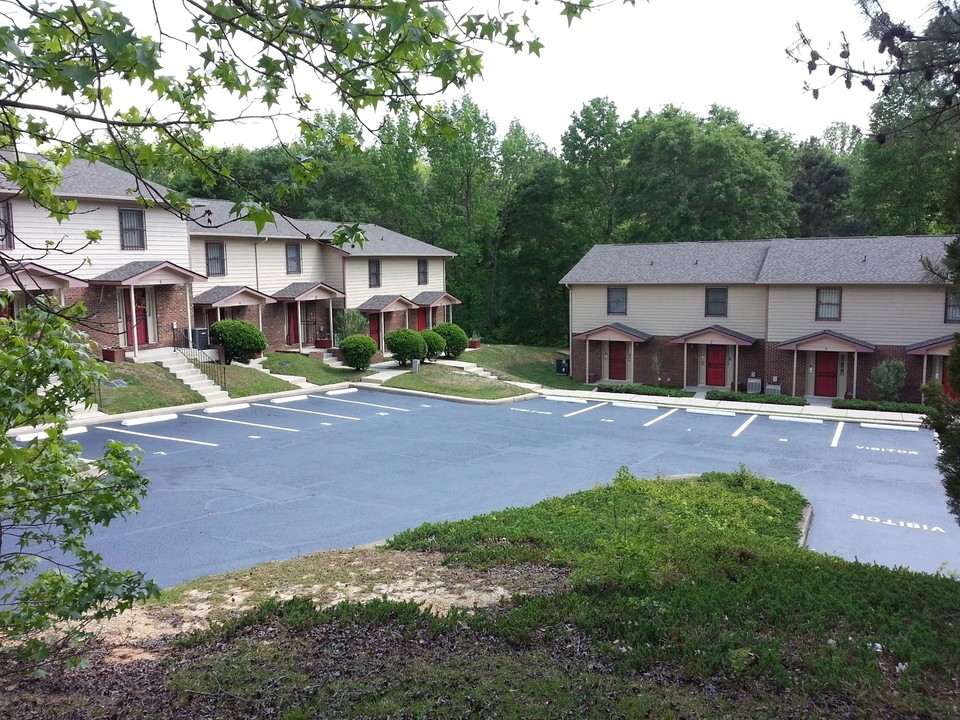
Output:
x=272 y=479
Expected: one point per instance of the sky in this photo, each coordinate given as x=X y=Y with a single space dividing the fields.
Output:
x=690 y=53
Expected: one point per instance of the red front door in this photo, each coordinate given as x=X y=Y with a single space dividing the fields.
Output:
x=421 y=319
x=375 y=328
x=717 y=365
x=293 y=324
x=825 y=380
x=136 y=321
x=618 y=360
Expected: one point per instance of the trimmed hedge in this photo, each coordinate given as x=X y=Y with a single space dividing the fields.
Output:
x=755 y=398
x=358 y=351
x=882 y=406
x=435 y=343
x=455 y=338
x=646 y=390
x=406 y=345
x=242 y=341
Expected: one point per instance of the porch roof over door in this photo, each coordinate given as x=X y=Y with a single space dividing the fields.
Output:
x=715 y=335
x=827 y=341
x=614 y=331
x=386 y=303
x=435 y=298
x=34 y=277
x=306 y=291
x=231 y=296
x=148 y=272
x=935 y=346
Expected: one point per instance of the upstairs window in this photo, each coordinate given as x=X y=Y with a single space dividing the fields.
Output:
x=6 y=226
x=423 y=272
x=616 y=301
x=293 y=259
x=828 y=303
x=715 y=302
x=373 y=271
x=133 y=229
x=952 y=312
x=216 y=259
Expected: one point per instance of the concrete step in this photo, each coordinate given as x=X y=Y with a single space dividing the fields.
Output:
x=217 y=396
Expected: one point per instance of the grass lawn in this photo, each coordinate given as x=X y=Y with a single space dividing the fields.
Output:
x=243 y=381
x=147 y=386
x=684 y=599
x=523 y=363
x=447 y=380
x=319 y=373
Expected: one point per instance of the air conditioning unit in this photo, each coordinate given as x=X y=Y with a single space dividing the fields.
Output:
x=754 y=385
x=773 y=389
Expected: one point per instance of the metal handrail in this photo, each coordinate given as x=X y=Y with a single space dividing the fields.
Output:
x=206 y=363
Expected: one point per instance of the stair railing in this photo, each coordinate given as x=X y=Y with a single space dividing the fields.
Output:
x=205 y=362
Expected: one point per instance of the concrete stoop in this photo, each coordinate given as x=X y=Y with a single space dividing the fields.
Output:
x=187 y=373
x=298 y=380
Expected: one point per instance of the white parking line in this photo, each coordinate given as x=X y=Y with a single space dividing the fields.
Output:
x=879 y=426
x=586 y=409
x=360 y=402
x=710 y=411
x=836 y=435
x=156 y=437
x=132 y=422
x=744 y=426
x=241 y=422
x=556 y=398
x=226 y=408
x=793 y=418
x=667 y=414
x=307 y=412
x=639 y=406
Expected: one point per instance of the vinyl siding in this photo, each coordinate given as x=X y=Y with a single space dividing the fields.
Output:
x=166 y=238
x=882 y=315
x=398 y=276
x=669 y=310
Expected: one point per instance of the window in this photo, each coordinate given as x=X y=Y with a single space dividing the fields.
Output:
x=952 y=312
x=373 y=270
x=293 y=259
x=828 y=303
x=216 y=259
x=423 y=272
x=6 y=226
x=616 y=301
x=133 y=235
x=715 y=302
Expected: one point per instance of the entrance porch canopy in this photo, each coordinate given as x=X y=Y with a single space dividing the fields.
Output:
x=386 y=303
x=224 y=296
x=617 y=332
x=715 y=335
x=827 y=341
x=300 y=292
x=436 y=298
x=939 y=346
x=31 y=277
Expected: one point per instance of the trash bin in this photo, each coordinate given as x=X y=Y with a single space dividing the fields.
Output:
x=415 y=365
x=563 y=366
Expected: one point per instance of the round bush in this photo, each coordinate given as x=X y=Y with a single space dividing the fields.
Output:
x=435 y=343
x=242 y=341
x=405 y=345
x=455 y=338
x=358 y=351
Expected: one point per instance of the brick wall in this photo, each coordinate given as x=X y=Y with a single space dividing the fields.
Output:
x=103 y=325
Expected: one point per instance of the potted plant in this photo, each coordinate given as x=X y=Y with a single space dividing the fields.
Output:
x=474 y=341
x=322 y=341
x=114 y=354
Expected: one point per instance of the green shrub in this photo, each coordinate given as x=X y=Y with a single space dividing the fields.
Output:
x=242 y=341
x=455 y=338
x=755 y=398
x=435 y=343
x=646 y=390
x=887 y=378
x=406 y=345
x=358 y=351
x=352 y=322
x=882 y=406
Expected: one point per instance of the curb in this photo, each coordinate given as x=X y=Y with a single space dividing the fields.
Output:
x=804 y=526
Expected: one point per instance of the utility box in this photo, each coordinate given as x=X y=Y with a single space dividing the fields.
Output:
x=415 y=366
x=563 y=366
x=773 y=389
x=754 y=385
x=200 y=338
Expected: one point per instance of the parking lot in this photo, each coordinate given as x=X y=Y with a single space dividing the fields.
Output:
x=269 y=480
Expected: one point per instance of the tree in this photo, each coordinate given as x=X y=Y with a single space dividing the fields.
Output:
x=821 y=188
x=51 y=497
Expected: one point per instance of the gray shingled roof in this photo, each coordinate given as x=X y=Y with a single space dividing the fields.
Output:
x=224 y=292
x=929 y=343
x=894 y=259
x=379 y=302
x=722 y=330
x=140 y=267
x=830 y=333
x=96 y=179
x=295 y=290
x=626 y=329
x=428 y=297
x=380 y=242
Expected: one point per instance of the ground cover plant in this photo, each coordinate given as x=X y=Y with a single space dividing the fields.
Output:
x=246 y=381
x=447 y=380
x=685 y=598
x=144 y=386
x=313 y=370
x=881 y=405
x=655 y=391
x=759 y=398
x=524 y=363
